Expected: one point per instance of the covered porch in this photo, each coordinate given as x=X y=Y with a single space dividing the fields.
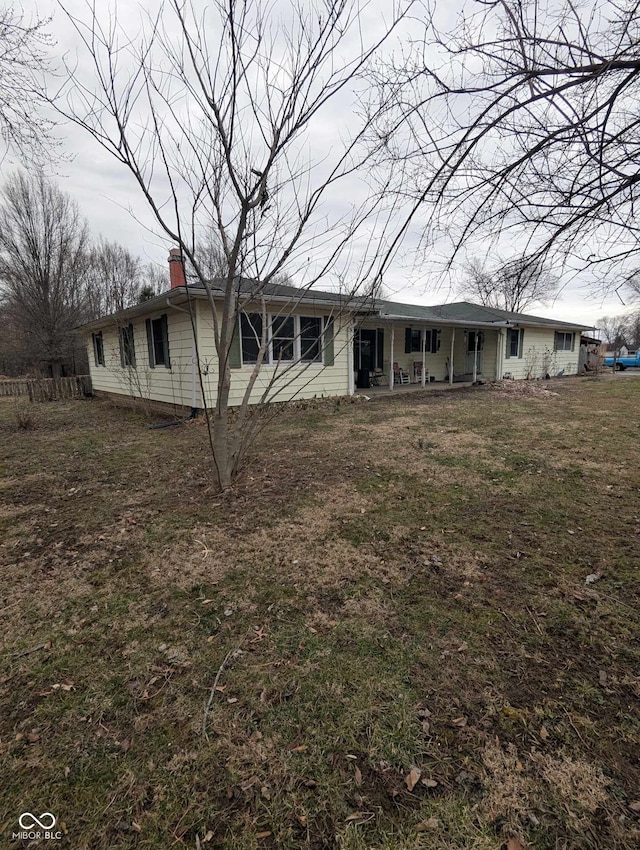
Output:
x=408 y=389
x=393 y=354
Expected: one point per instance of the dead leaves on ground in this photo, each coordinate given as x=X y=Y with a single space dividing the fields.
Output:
x=412 y=778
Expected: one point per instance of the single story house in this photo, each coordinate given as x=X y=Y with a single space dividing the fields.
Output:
x=319 y=344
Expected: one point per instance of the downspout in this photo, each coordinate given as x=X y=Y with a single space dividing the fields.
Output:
x=194 y=360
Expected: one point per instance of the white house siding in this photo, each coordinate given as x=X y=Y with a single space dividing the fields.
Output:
x=539 y=357
x=295 y=382
x=171 y=386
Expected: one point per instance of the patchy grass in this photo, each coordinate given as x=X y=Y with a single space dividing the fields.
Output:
x=396 y=586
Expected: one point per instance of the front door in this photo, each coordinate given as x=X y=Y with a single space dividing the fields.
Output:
x=471 y=352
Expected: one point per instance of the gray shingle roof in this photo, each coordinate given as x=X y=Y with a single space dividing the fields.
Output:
x=467 y=313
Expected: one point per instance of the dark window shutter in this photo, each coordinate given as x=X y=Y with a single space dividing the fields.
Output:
x=329 y=358
x=94 y=338
x=407 y=340
x=380 y=348
x=508 y=351
x=165 y=340
x=521 y=344
x=121 y=344
x=152 y=359
x=132 y=346
x=235 y=353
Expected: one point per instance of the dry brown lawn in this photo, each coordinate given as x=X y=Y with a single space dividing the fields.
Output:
x=394 y=597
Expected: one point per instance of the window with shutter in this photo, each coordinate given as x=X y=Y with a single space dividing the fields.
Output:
x=158 y=342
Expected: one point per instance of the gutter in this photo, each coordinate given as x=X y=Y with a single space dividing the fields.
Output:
x=470 y=323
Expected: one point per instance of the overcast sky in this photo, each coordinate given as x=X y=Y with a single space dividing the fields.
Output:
x=111 y=201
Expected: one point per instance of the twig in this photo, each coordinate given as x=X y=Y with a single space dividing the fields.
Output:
x=45 y=645
x=534 y=618
x=212 y=693
x=575 y=728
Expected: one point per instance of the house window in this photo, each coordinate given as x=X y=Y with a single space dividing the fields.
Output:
x=413 y=340
x=292 y=338
x=127 y=346
x=98 y=348
x=283 y=338
x=563 y=341
x=158 y=342
x=514 y=342
x=251 y=334
x=310 y=333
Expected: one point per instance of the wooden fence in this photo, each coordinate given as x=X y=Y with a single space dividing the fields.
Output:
x=47 y=389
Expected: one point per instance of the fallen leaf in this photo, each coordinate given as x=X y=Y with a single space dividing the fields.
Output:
x=248 y=783
x=231 y=700
x=602 y=676
x=359 y=817
x=266 y=793
x=264 y=834
x=412 y=778
x=514 y=844
x=302 y=820
x=208 y=836
x=635 y=806
x=299 y=749
x=358 y=776
x=429 y=783
x=460 y=721
x=426 y=727
x=543 y=733
x=125 y=745
x=430 y=824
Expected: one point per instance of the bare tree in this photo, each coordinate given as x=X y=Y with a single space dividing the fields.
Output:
x=154 y=280
x=633 y=329
x=23 y=56
x=214 y=115
x=114 y=279
x=615 y=330
x=514 y=285
x=522 y=124
x=43 y=264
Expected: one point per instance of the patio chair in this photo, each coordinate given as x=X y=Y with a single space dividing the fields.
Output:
x=378 y=378
x=417 y=372
x=399 y=375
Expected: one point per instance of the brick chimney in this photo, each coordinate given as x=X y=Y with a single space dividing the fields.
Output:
x=176 y=268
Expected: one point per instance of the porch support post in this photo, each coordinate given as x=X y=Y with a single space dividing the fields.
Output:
x=453 y=338
x=350 y=359
x=475 y=358
x=424 y=356
x=391 y=360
